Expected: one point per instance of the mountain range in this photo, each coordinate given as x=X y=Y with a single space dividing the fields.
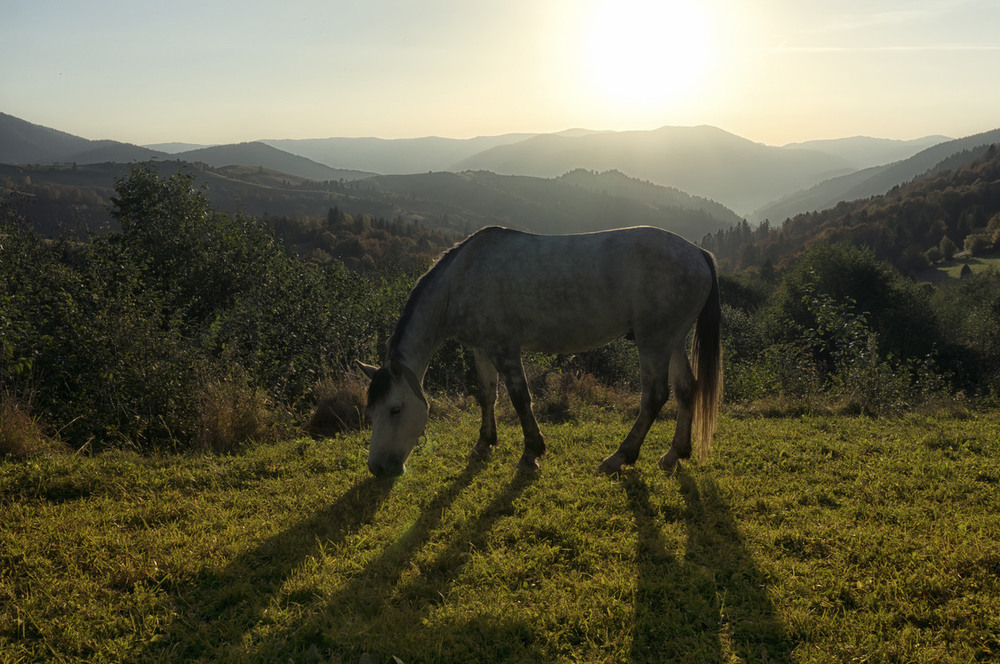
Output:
x=756 y=181
x=877 y=180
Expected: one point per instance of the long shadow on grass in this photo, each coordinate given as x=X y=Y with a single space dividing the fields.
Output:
x=712 y=604
x=218 y=607
x=380 y=611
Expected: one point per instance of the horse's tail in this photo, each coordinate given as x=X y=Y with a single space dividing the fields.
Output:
x=706 y=361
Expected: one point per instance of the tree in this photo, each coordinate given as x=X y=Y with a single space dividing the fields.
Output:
x=976 y=243
x=948 y=248
x=897 y=309
x=198 y=259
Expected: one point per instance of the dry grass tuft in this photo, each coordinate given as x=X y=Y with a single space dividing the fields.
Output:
x=560 y=396
x=340 y=405
x=21 y=435
x=234 y=413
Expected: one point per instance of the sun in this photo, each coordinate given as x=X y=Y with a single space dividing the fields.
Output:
x=645 y=54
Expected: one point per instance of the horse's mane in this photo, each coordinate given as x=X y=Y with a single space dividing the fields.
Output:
x=430 y=278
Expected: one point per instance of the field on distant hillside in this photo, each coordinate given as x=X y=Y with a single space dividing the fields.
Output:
x=976 y=263
x=806 y=539
x=953 y=269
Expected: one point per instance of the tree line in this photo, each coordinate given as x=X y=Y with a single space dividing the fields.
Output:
x=913 y=226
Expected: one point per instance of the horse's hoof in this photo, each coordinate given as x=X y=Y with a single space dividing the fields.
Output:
x=610 y=466
x=482 y=448
x=528 y=463
x=669 y=461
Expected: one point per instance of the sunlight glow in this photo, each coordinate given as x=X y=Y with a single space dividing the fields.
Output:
x=646 y=54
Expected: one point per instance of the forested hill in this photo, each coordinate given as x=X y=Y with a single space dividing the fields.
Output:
x=576 y=202
x=75 y=197
x=912 y=226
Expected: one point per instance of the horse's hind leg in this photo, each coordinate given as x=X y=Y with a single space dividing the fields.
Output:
x=487 y=398
x=655 y=391
x=512 y=371
x=683 y=381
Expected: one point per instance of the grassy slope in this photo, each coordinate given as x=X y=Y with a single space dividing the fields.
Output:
x=953 y=269
x=811 y=539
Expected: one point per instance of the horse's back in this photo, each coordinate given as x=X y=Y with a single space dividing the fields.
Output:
x=571 y=292
x=605 y=262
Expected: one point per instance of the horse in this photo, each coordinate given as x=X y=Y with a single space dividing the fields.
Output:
x=503 y=291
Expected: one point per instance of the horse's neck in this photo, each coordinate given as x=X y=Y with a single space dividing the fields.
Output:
x=423 y=332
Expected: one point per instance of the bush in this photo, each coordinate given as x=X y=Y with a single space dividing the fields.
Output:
x=135 y=339
x=895 y=309
x=340 y=405
x=968 y=313
x=233 y=413
x=20 y=434
x=977 y=243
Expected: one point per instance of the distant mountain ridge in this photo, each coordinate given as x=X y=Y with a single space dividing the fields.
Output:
x=174 y=148
x=864 y=151
x=401 y=156
x=266 y=156
x=702 y=161
x=757 y=181
x=876 y=180
x=76 y=197
x=22 y=142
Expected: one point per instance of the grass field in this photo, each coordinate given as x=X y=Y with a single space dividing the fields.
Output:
x=953 y=269
x=807 y=539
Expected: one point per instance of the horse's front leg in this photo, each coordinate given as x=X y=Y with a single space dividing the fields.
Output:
x=510 y=368
x=487 y=398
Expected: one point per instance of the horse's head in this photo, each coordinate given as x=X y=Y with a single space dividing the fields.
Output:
x=398 y=412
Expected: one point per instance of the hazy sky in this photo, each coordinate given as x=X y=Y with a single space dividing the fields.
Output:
x=774 y=71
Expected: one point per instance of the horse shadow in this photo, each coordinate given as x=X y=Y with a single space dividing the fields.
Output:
x=217 y=612
x=377 y=593
x=711 y=605
x=229 y=601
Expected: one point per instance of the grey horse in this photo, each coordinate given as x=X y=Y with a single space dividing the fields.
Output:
x=503 y=291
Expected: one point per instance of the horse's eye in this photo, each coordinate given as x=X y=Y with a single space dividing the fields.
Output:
x=395 y=410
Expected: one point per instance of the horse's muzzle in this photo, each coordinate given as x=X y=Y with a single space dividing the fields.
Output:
x=387 y=468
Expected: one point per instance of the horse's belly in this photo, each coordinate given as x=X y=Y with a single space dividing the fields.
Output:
x=568 y=342
x=572 y=329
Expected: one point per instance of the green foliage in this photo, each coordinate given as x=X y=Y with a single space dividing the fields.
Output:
x=197 y=259
x=945 y=210
x=120 y=337
x=844 y=328
x=897 y=309
x=969 y=315
x=976 y=243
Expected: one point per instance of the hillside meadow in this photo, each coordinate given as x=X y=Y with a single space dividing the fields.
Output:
x=802 y=539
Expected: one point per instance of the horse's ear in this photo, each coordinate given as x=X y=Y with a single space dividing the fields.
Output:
x=394 y=368
x=367 y=369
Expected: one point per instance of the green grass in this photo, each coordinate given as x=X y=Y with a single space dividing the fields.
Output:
x=953 y=269
x=813 y=539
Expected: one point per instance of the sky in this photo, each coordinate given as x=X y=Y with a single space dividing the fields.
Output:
x=773 y=71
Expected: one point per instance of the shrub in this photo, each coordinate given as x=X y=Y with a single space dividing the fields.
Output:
x=340 y=405
x=968 y=313
x=785 y=370
x=896 y=310
x=977 y=243
x=21 y=434
x=615 y=365
x=234 y=412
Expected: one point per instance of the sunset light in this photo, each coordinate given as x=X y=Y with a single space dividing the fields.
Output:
x=774 y=72
x=644 y=54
